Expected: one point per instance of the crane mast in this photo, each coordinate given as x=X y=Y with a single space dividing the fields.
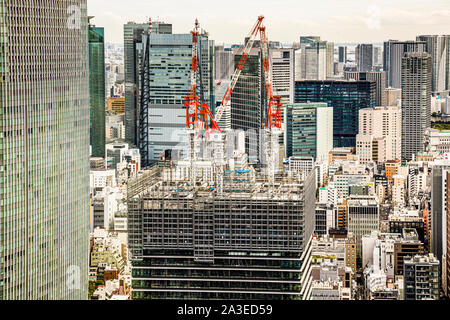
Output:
x=234 y=79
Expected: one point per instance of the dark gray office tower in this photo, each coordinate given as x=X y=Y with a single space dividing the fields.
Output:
x=132 y=35
x=343 y=54
x=247 y=101
x=251 y=241
x=392 y=59
x=364 y=57
x=378 y=77
x=416 y=102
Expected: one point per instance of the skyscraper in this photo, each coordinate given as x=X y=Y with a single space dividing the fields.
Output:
x=132 y=34
x=416 y=102
x=97 y=89
x=364 y=57
x=378 y=77
x=315 y=58
x=392 y=59
x=164 y=68
x=346 y=98
x=343 y=54
x=247 y=104
x=439 y=48
x=44 y=160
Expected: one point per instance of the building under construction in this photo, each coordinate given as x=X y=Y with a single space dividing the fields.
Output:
x=249 y=240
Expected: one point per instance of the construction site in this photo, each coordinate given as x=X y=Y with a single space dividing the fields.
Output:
x=208 y=224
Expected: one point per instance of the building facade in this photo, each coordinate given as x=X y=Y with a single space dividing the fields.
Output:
x=44 y=229
x=97 y=89
x=346 y=98
x=416 y=102
x=309 y=130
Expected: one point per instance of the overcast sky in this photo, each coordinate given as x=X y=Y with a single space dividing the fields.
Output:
x=229 y=21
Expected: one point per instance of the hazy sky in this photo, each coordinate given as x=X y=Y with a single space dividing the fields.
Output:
x=229 y=21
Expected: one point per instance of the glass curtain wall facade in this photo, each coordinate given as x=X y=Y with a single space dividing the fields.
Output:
x=247 y=101
x=346 y=98
x=97 y=90
x=44 y=149
x=168 y=59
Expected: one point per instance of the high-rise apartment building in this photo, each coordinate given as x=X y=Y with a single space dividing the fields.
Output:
x=309 y=130
x=378 y=77
x=44 y=160
x=393 y=52
x=346 y=98
x=439 y=49
x=97 y=89
x=247 y=104
x=364 y=57
x=164 y=67
x=382 y=123
x=416 y=102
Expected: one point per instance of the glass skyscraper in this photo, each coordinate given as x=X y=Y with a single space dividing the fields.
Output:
x=132 y=35
x=44 y=155
x=97 y=89
x=247 y=101
x=164 y=63
x=346 y=98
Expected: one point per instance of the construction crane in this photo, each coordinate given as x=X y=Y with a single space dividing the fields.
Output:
x=234 y=79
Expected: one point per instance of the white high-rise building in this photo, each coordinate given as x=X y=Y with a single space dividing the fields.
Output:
x=379 y=134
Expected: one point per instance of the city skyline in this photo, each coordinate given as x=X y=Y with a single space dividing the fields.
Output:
x=351 y=21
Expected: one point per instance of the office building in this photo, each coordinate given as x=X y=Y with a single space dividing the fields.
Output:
x=364 y=57
x=164 y=64
x=97 y=89
x=363 y=217
x=239 y=243
x=309 y=130
x=132 y=35
x=378 y=77
x=315 y=59
x=248 y=104
x=342 y=54
x=393 y=97
x=421 y=278
x=392 y=59
x=345 y=97
x=224 y=63
x=116 y=104
x=438 y=206
x=416 y=102
x=44 y=101
x=438 y=46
